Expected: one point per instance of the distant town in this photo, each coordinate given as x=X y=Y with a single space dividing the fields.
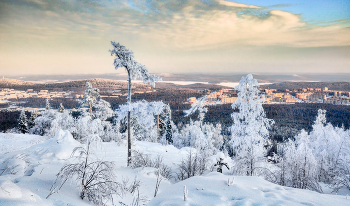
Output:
x=213 y=97
x=273 y=96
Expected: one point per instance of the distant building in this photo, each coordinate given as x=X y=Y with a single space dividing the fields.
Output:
x=192 y=100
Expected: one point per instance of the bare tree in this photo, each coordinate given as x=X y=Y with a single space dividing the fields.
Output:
x=125 y=58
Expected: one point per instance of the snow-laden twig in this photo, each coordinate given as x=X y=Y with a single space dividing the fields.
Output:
x=185 y=193
x=230 y=181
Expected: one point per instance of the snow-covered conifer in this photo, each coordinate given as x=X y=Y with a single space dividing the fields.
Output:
x=61 y=108
x=168 y=126
x=47 y=107
x=22 y=122
x=31 y=121
x=250 y=126
x=91 y=96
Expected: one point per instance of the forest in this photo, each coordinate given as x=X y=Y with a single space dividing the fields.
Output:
x=289 y=119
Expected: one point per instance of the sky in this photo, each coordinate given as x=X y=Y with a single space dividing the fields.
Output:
x=198 y=36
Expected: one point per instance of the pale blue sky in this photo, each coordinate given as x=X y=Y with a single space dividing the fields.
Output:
x=73 y=36
x=312 y=11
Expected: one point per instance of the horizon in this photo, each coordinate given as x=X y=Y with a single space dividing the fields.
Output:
x=215 y=36
x=190 y=77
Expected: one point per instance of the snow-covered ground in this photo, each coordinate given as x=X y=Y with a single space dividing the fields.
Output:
x=29 y=164
x=213 y=189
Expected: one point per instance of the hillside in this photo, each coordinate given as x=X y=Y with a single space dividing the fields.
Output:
x=34 y=161
x=10 y=83
x=102 y=84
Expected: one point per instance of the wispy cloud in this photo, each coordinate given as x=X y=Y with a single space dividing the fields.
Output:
x=234 y=4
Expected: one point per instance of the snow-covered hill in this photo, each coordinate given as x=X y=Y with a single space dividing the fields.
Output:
x=29 y=164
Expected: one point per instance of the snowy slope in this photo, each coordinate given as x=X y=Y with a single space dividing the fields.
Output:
x=32 y=163
x=213 y=189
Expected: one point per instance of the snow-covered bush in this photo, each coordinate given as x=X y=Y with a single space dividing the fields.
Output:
x=85 y=126
x=43 y=122
x=64 y=121
x=204 y=137
x=111 y=132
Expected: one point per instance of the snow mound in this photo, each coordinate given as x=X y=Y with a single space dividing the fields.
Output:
x=9 y=190
x=213 y=189
x=12 y=194
x=14 y=142
x=61 y=146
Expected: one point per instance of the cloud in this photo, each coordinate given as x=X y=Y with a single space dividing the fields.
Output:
x=216 y=28
x=185 y=24
x=234 y=4
x=163 y=34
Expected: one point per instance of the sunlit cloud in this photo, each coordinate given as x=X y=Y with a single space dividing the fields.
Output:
x=234 y=4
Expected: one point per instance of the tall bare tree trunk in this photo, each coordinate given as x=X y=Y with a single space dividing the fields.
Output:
x=129 y=124
x=158 y=135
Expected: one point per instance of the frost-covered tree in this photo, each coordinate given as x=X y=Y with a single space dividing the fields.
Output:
x=125 y=58
x=50 y=121
x=31 y=120
x=143 y=115
x=103 y=110
x=330 y=146
x=298 y=164
x=91 y=96
x=43 y=122
x=63 y=121
x=206 y=138
x=47 y=107
x=22 y=122
x=111 y=132
x=250 y=126
x=85 y=126
x=61 y=108
x=168 y=134
x=320 y=156
x=200 y=106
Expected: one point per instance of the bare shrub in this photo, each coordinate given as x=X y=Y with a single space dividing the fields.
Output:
x=194 y=164
x=144 y=160
x=96 y=179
